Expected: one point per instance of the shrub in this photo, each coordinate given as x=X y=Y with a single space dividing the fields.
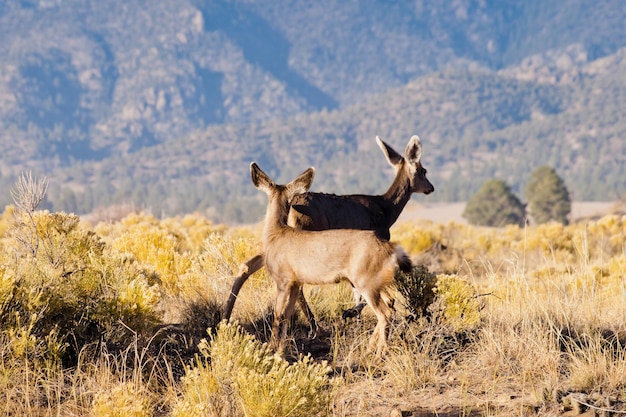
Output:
x=121 y=400
x=191 y=230
x=329 y=302
x=224 y=255
x=417 y=289
x=456 y=303
x=155 y=248
x=201 y=394
x=415 y=238
x=70 y=287
x=237 y=369
x=6 y=220
x=283 y=389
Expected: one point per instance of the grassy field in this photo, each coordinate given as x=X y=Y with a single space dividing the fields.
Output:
x=122 y=318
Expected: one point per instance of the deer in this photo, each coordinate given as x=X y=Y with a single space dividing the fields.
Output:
x=321 y=211
x=295 y=257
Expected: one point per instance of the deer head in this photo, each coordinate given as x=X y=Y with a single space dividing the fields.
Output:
x=409 y=165
x=280 y=195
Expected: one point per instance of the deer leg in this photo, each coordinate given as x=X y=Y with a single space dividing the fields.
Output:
x=380 y=306
x=388 y=299
x=245 y=270
x=279 y=311
x=313 y=327
x=359 y=305
x=285 y=306
x=294 y=290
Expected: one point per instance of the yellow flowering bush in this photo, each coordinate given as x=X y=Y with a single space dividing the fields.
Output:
x=224 y=254
x=284 y=389
x=6 y=220
x=122 y=400
x=550 y=237
x=201 y=394
x=617 y=267
x=154 y=247
x=415 y=238
x=329 y=302
x=7 y=280
x=457 y=303
x=69 y=286
x=235 y=366
x=194 y=228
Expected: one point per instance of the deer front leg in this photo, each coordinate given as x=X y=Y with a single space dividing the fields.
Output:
x=284 y=308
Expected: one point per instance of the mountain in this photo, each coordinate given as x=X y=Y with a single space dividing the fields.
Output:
x=164 y=104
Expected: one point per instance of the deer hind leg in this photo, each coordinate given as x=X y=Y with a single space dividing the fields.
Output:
x=313 y=327
x=284 y=308
x=359 y=305
x=245 y=270
x=388 y=299
x=379 y=301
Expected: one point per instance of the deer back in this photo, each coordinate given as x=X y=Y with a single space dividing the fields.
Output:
x=320 y=211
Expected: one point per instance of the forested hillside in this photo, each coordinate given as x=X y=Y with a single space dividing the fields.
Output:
x=164 y=104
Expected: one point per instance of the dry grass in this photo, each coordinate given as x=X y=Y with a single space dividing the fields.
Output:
x=524 y=322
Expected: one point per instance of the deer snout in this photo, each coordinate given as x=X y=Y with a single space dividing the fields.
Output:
x=425 y=187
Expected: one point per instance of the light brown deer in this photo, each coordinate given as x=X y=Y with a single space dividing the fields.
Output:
x=319 y=211
x=294 y=257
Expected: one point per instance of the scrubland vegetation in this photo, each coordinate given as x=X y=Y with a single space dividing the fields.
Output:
x=122 y=318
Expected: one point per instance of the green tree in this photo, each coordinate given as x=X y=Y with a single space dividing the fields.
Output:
x=494 y=205
x=548 y=198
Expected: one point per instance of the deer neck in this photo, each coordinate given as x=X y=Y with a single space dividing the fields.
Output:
x=396 y=197
x=275 y=219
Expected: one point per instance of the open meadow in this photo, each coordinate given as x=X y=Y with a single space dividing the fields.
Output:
x=123 y=318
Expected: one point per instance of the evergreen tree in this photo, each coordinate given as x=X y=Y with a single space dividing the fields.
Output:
x=494 y=205
x=548 y=198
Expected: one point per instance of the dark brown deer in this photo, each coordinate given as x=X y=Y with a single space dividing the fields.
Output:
x=294 y=257
x=319 y=211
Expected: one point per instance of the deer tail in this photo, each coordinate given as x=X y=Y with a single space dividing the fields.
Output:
x=404 y=262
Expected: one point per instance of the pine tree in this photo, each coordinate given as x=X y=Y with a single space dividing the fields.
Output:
x=548 y=198
x=494 y=205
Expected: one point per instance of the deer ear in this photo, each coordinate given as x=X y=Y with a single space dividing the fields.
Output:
x=413 y=151
x=302 y=183
x=260 y=178
x=393 y=157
